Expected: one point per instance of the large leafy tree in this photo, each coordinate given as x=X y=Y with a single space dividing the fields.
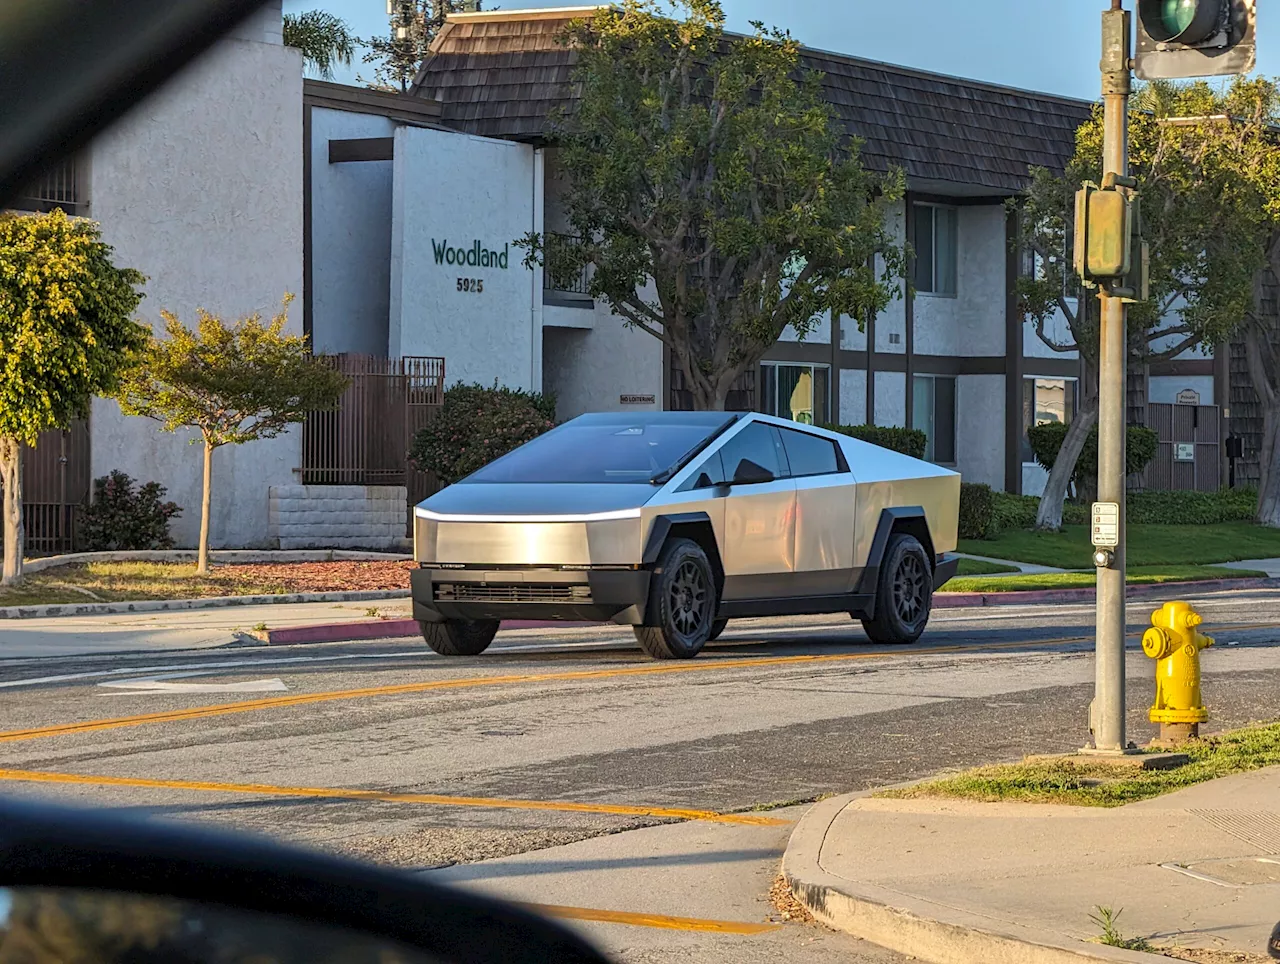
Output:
x=414 y=24
x=711 y=191
x=325 y=40
x=232 y=384
x=66 y=331
x=1200 y=217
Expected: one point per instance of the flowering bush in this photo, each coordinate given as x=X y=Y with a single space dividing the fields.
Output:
x=477 y=425
x=123 y=517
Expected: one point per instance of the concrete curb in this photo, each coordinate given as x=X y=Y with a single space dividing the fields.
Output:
x=245 y=556
x=914 y=926
x=961 y=600
x=178 y=605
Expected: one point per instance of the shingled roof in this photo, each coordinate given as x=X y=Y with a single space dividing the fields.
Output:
x=500 y=73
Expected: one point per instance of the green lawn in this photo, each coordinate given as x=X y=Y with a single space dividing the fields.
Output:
x=976 y=567
x=1137 y=575
x=1148 y=545
x=1106 y=785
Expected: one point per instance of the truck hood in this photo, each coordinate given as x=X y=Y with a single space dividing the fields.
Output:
x=472 y=499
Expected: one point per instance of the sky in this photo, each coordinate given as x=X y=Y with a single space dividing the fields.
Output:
x=1046 y=45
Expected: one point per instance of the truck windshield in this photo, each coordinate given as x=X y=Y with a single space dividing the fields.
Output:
x=607 y=449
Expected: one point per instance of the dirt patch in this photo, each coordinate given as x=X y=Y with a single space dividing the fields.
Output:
x=135 y=581
x=1201 y=956
x=784 y=901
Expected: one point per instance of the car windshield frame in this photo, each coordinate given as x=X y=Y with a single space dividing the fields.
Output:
x=681 y=435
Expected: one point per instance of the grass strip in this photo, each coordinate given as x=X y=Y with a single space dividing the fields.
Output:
x=1070 y=781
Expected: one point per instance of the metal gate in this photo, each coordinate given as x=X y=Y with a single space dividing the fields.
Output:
x=365 y=441
x=1189 y=453
x=55 y=487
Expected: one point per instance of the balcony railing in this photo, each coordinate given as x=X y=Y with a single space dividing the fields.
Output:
x=62 y=186
x=573 y=282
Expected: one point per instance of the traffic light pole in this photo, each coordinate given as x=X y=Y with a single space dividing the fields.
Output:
x=1107 y=715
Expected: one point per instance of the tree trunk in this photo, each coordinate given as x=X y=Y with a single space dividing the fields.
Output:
x=202 y=565
x=1049 y=515
x=15 y=536
x=1269 y=484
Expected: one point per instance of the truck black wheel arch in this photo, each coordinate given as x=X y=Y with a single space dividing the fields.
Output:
x=909 y=520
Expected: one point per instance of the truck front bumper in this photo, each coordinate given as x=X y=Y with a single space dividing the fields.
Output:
x=595 y=595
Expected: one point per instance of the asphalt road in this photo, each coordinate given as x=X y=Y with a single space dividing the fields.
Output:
x=560 y=768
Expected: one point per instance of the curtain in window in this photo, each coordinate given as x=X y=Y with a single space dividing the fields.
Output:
x=945 y=250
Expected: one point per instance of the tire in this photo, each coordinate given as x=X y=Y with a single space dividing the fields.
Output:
x=904 y=595
x=716 y=629
x=681 y=614
x=455 y=637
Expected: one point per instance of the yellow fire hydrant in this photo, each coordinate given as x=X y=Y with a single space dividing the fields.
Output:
x=1174 y=642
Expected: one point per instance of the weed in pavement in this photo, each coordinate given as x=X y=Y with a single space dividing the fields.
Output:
x=1106 y=919
x=1105 y=785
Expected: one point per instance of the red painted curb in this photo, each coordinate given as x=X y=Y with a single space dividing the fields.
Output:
x=377 y=629
x=395 y=628
x=962 y=600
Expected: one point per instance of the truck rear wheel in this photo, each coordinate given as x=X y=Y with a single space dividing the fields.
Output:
x=904 y=595
x=681 y=613
x=455 y=637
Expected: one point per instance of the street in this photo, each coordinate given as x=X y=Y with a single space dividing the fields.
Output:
x=648 y=801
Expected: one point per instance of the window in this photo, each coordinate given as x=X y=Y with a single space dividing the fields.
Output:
x=935 y=249
x=798 y=392
x=808 y=454
x=617 y=448
x=1045 y=400
x=933 y=411
x=758 y=443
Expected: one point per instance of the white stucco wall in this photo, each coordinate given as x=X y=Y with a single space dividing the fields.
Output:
x=820 y=334
x=350 y=238
x=200 y=188
x=450 y=191
x=1165 y=388
x=1056 y=330
x=589 y=371
x=893 y=320
x=853 y=396
x=891 y=398
x=970 y=323
x=980 y=429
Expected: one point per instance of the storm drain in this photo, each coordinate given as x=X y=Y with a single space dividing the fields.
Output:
x=1258 y=828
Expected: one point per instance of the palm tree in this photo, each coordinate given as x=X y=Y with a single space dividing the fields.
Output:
x=325 y=40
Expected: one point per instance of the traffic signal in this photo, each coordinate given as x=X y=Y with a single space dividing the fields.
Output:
x=1195 y=38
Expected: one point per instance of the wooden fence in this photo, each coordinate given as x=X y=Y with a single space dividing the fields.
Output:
x=55 y=487
x=365 y=441
x=1189 y=453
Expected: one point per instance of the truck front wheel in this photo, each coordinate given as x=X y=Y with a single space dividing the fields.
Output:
x=904 y=594
x=455 y=637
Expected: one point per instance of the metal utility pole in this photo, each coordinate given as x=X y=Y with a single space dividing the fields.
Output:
x=1107 y=716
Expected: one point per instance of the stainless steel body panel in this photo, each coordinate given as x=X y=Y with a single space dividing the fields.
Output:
x=759 y=539
x=612 y=542
x=938 y=497
x=824 y=535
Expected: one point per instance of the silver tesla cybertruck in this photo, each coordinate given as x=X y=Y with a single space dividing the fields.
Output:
x=676 y=522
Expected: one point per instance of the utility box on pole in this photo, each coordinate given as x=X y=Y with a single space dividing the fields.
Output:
x=1195 y=38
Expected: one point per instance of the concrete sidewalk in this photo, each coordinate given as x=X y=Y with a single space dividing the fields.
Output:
x=959 y=882
x=172 y=630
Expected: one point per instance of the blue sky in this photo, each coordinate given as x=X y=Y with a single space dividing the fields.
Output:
x=1037 y=44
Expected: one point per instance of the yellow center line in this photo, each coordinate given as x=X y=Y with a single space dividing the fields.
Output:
x=651 y=920
x=655 y=669
x=432 y=799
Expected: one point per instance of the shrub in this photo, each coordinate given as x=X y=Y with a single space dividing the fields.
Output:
x=1013 y=511
x=477 y=424
x=908 y=441
x=1046 y=441
x=977 y=511
x=123 y=517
